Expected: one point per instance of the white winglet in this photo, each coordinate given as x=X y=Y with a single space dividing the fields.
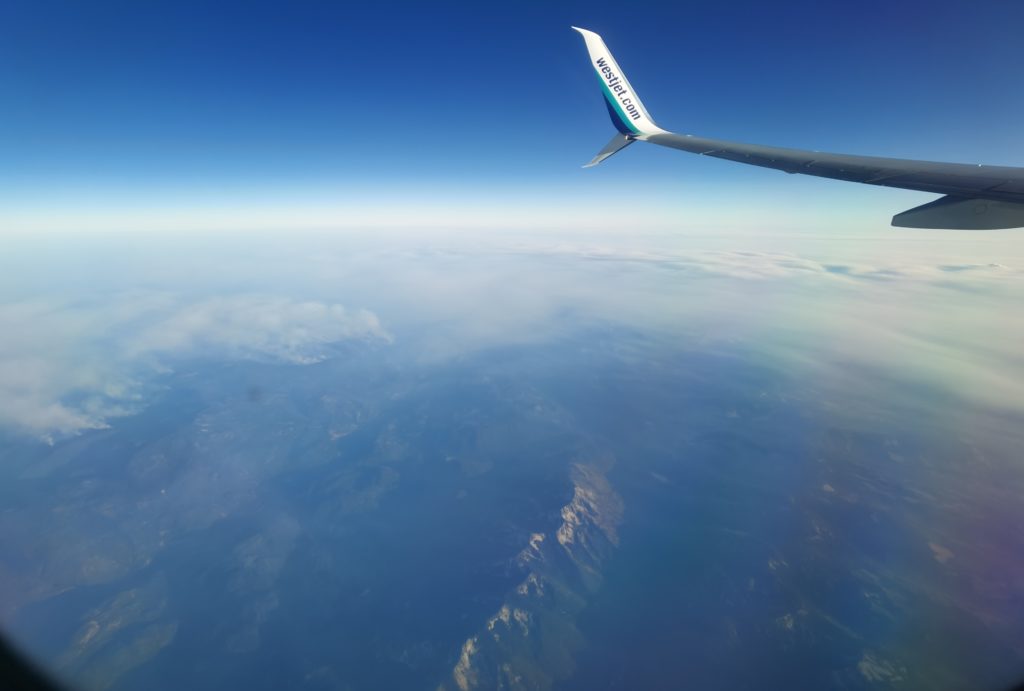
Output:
x=627 y=112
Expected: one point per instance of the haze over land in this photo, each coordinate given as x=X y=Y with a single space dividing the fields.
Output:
x=428 y=460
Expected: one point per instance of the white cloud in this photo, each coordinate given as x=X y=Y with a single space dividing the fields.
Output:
x=256 y=327
x=67 y=367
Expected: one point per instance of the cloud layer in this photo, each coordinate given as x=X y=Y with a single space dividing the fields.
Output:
x=83 y=337
x=66 y=366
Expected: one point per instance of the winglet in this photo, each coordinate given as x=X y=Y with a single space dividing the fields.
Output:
x=627 y=112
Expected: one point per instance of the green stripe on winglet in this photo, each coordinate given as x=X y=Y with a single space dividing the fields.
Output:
x=615 y=104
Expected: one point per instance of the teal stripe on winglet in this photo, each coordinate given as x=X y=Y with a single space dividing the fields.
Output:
x=615 y=104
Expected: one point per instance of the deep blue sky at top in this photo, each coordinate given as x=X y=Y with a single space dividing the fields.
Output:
x=104 y=101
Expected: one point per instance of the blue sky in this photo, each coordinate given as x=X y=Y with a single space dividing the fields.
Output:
x=324 y=113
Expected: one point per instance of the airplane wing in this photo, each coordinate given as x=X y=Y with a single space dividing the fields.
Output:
x=976 y=197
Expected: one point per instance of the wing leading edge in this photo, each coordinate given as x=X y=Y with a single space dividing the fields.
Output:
x=977 y=197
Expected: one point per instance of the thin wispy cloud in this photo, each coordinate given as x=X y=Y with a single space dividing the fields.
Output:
x=68 y=367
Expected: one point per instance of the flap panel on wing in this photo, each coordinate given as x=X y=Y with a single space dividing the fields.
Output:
x=960 y=213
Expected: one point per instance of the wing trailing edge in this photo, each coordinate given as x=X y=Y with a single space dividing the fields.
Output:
x=959 y=213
